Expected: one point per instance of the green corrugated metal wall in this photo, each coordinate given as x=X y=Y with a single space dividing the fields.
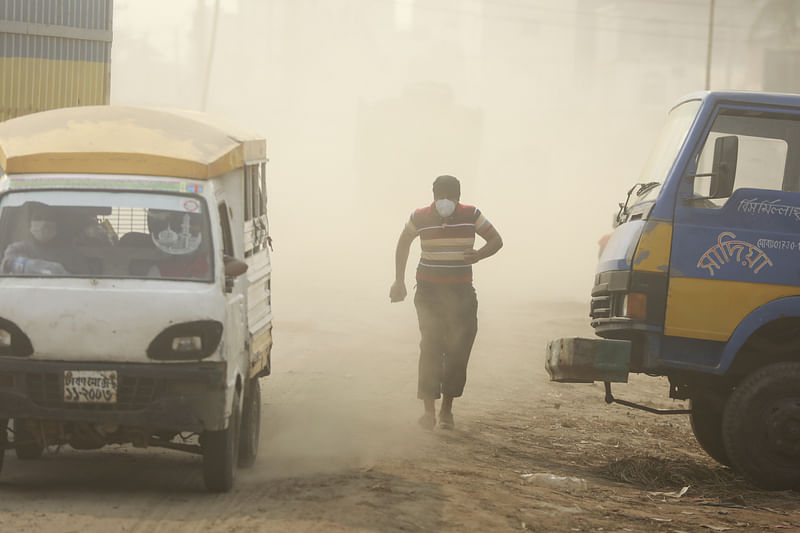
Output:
x=54 y=53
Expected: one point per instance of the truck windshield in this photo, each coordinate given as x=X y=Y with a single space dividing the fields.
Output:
x=669 y=141
x=105 y=235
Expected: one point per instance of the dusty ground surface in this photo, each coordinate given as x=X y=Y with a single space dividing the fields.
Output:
x=341 y=450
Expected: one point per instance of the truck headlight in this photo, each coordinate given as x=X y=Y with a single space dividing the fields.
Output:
x=634 y=305
x=13 y=340
x=186 y=341
x=5 y=338
x=187 y=344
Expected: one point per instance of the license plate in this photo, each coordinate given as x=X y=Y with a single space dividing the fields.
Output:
x=90 y=386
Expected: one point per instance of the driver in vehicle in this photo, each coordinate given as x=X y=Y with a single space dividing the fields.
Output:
x=179 y=236
x=44 y=251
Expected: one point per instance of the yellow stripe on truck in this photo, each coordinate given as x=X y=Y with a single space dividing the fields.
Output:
x=261 y=347
x=652 y=253
x=106 y=163
x=126 y=140
x=711 y=309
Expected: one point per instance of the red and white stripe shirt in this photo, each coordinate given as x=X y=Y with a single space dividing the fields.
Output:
x=444 y=241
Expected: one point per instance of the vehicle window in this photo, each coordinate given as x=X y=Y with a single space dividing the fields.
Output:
x=115 y=235
x=669 y=141
x=227 y=236
x=255 y=197
x=762 y=155
x=248 y=194
x=260 y=186
x=255 y=227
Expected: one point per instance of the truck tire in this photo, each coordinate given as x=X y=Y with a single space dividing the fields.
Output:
x=706 y=419
x=251 y=424
x=220 y=451
x=25 y=445
x=761 y=427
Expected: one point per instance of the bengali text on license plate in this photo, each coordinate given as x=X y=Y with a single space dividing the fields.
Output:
x=90 y=386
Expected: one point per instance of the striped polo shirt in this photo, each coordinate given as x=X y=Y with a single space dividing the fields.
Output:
x=444 y=241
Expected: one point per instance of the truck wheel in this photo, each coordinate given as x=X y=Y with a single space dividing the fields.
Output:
x=251 y=424
x=25 y=443
x=220 y=449
x=761 y=427
x=706 y=419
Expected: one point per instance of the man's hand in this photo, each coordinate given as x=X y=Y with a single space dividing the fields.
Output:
x=493 y=244
x=398 y=292
x=471 y=256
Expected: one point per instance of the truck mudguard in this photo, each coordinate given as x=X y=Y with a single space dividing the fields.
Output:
x=774 y=310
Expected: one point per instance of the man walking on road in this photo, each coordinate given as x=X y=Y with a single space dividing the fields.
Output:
x=445 y=299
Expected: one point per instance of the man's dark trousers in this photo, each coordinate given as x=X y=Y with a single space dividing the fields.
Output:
x=448 y=322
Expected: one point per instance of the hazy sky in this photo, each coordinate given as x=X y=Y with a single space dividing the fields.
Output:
x=545 y=111
x=164 y=24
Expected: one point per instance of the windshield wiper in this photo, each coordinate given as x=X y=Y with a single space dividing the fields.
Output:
x=647 y=187
x=641 y=189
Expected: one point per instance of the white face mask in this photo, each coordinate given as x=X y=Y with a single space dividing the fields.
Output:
x=445 y=207
x=43 y=230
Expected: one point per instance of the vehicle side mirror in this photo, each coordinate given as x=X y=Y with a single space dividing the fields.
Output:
x=234 y=267
x=723 y=169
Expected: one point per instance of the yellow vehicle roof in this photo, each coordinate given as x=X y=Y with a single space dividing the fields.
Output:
x=126 y=140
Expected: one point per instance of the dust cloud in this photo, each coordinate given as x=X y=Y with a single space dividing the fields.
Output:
x=544 y=110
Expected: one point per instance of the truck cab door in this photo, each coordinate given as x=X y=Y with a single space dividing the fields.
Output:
x=235 y=290
x=733 y=251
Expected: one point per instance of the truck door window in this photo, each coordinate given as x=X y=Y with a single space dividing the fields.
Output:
x=255 y=199
x=248 y=199
x=762 y=157
x=227 y=236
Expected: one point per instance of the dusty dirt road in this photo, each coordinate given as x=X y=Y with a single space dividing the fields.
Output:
x=341 y=450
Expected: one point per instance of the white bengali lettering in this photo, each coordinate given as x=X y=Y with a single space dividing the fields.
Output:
x=727 y=248
x=754 y=206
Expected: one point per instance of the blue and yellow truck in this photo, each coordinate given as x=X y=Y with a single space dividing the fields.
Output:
x=700 y=282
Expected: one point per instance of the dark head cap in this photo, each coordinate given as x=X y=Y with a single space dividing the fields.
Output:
x=40 y=211
x=446 y=187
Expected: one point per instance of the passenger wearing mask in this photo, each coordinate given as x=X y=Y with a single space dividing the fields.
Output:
x=43 y=252
x=445 y=299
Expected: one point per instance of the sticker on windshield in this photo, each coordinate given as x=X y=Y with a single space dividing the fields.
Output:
x=742 y=252
x=191 y=205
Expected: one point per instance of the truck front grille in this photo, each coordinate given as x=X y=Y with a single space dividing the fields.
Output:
x=600 y=306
